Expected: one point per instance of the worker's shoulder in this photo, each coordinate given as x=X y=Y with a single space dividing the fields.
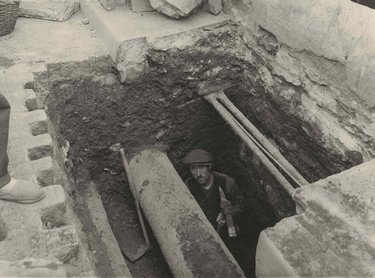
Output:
x=229 y=180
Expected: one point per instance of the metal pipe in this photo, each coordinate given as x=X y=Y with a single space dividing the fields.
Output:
x=236 y=127
x=189 y=243
x=266 y=146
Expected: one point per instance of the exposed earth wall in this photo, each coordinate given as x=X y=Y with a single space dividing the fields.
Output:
x=316 y=59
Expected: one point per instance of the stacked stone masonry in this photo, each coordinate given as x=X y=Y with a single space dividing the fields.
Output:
x=324 y=50
x=38 y=234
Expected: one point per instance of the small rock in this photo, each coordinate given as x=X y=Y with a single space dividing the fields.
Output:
x=160 y=134
x=126 y=124
x=86 y=119
x=115 y=147
x=216 y=6
x=85 y=21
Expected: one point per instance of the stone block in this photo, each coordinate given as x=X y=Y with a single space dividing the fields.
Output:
x=60 y=243
x=141 y=6
x=31 y=267
x=53 y=207
x=39 y=146
x=38 y=128
x=176 y=8
x=131 y=59
x=215 y=6
x=56 y=10
x=43 y=167
x=332 y=237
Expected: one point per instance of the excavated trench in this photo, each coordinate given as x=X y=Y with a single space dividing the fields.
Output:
x=93 y=114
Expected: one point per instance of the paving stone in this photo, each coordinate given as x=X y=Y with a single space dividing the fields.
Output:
x=31 y=267
x=57 y=10
x=141 y=6
x=60 y=243
x=176 y=8
x=53 y=207
x=215 y=6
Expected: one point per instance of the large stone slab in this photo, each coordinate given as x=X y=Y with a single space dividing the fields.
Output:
x=57 y=10
x=131 y=59
x=334 y=236
x=176 y=8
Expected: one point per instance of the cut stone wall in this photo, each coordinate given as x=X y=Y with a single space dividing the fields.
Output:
x=316 y=60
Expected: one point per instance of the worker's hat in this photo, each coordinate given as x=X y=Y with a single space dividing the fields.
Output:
x=198 y=156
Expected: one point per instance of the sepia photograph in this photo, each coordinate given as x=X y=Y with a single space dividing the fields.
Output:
x=187 y=138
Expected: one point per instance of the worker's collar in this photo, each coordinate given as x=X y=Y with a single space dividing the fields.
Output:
x=209 y=183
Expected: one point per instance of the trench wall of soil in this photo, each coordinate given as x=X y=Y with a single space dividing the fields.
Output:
x=323 y=53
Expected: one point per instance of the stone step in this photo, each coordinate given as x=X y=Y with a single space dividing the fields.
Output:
x=41 y=168
x=23 y=148
x=27 y=118
x=17 y=98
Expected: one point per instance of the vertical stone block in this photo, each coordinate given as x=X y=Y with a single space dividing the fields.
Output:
x=131 y=59
x=215 y=6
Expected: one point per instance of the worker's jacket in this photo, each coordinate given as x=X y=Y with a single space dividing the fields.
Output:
x=209 y=200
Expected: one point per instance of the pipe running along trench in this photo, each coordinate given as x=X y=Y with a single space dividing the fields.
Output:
x=189 y=243
x=254 y=139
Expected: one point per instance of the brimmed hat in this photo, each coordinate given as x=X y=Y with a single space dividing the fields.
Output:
x=198 y=156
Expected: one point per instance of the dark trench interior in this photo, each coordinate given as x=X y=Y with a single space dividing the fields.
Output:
x=92 y=110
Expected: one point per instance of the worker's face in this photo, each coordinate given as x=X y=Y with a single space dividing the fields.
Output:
x=201 y=173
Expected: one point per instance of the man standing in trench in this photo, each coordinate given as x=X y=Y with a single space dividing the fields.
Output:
x=205 y=185
x=20 y=191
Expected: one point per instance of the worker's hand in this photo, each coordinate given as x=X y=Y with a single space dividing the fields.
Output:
x=220 y=222
x=226 y=206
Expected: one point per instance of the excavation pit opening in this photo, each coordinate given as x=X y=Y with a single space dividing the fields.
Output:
x=93 y=115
